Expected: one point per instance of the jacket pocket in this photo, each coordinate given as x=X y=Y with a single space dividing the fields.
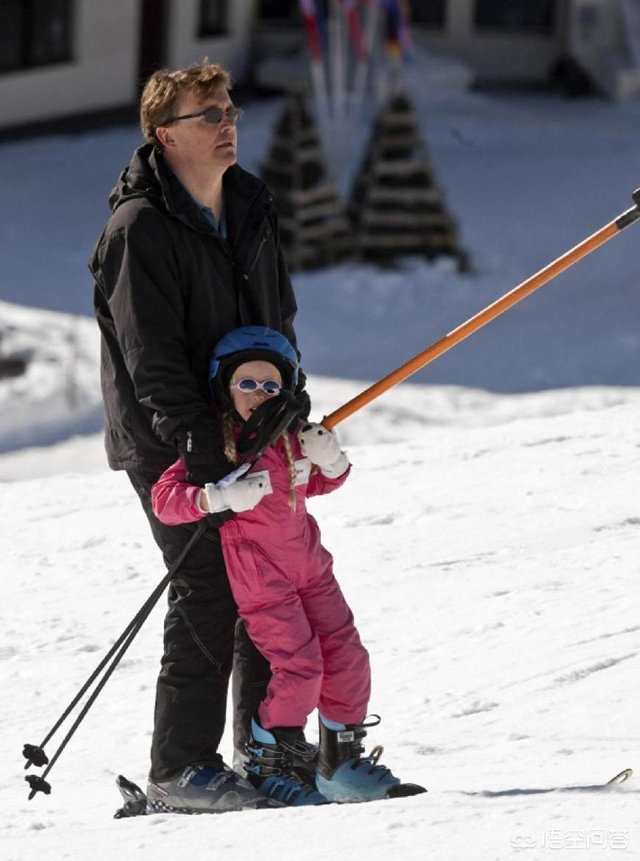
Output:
x=252 y=575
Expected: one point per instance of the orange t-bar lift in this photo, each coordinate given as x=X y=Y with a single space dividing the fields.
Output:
x=487 y=314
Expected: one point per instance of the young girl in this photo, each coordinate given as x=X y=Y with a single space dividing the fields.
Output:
x=283 y=583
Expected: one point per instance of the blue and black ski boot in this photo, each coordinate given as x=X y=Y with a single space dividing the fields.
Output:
x=343 y=775
x=270 y=766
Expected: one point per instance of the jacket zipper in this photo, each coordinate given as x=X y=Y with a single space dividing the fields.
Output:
x=257 y=255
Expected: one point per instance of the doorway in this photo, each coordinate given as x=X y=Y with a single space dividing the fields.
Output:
x=152 y=56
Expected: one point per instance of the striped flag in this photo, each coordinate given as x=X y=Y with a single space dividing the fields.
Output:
x=310 y=18
x=398 y=37
x=355 y=30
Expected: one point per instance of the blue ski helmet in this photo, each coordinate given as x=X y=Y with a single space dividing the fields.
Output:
x=247 y=344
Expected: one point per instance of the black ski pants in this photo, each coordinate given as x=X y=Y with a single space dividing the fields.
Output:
x=201 y=633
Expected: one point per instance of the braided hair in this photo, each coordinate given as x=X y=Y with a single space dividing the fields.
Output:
x=231 y=452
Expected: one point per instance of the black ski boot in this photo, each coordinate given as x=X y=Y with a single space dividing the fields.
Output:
x=270 y=766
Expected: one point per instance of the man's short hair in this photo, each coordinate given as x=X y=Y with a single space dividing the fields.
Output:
x=164 y=87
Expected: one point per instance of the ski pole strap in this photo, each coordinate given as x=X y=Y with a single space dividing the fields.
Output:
x=35 y=754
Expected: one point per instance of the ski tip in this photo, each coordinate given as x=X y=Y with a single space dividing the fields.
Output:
x=405 y=790
x=121 y=780
x=623 y=775
x=135 y=800
x=128 y=787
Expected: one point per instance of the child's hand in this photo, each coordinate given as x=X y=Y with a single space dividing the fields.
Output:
x=321 y=446
x=242 y=495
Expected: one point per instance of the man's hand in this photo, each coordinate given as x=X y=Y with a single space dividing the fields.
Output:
x=201 y=448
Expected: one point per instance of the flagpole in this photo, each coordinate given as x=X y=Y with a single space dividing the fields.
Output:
x=319 y=82
x=310 y=17
x=364 y=64
x=337 y=61
x=336 y=142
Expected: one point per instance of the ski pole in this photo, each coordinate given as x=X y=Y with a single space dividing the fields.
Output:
x=269 y=424
x=35 y=754
x=487 y=314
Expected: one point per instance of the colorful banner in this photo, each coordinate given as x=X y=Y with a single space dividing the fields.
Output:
x=397 y=36
x=355 y=30
x=310 y=18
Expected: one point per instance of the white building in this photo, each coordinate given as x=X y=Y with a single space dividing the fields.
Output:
x=65 y=57
x=62 y=58
x=520 y=41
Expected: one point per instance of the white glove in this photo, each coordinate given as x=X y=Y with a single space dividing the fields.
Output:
x=321 y=446
x=242 y=495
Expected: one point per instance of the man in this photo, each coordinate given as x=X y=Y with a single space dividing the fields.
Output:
x=190 y=252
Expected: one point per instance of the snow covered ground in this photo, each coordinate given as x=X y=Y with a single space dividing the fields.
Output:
x=491 y=561
x=487 y=540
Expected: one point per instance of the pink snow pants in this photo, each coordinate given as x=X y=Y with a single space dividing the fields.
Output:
x=296 y=615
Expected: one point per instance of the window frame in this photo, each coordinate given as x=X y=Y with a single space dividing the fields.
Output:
x=545 y=30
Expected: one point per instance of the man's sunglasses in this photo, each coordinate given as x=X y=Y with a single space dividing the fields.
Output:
x=248 y=384
x=212 y=115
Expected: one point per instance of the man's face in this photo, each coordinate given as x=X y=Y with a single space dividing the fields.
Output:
x=195 y=142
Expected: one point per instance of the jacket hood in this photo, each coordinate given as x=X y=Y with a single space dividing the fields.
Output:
x=150 y=177
x=140 y=179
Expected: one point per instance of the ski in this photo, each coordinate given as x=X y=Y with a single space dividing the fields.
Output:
x=616 y=780
x=135 y=800
x=405 y=790
x=623 y=775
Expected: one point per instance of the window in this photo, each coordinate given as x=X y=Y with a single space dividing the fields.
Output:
x=35 y=33
x=213 y=18
x=284 y=10
x=431 y=12
x=513 y=16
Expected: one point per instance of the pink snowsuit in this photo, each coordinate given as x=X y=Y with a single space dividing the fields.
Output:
x=283 y=583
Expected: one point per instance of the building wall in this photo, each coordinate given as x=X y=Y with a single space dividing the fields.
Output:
x=231 y=50
x=593 y=27
x=105 y=71
x=607 y=44
x=498 y=57
x=102 y=76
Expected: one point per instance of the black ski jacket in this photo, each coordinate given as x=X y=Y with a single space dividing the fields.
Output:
x=168 y=286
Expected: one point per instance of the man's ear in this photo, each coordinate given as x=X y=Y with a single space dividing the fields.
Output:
x=163 y=133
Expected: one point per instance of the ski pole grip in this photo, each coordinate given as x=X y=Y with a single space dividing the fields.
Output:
x=630 y=215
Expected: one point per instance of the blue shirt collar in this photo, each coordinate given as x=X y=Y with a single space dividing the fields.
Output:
x=209 y=213
x=206 y=210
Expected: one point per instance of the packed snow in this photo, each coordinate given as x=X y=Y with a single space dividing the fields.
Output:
x=487 y=539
